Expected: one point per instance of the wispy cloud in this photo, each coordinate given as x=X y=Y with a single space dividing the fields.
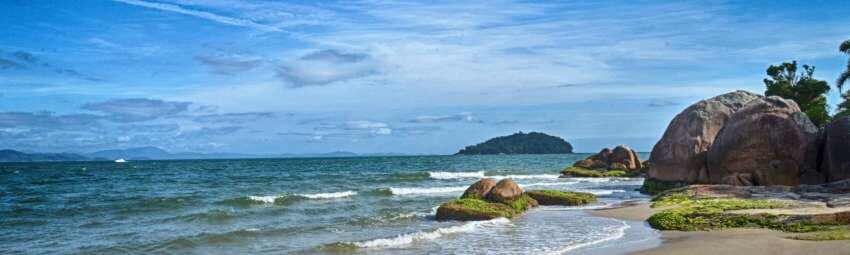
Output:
x=324 y=67
x=201 y=14
x=460 y=117
x=137 y=109
x=229 y=64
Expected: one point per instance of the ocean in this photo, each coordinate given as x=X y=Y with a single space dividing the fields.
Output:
x=359 y=205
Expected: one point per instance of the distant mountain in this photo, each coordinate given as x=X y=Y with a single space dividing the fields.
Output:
x=154 y=153
x=17 y=156
x=520 y=143
x=132 y=153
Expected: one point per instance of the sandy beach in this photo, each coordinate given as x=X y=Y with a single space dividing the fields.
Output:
x=732 y=241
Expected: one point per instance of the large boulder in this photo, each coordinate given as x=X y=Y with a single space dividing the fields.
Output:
x=768 y=142
x=479 y=189
x=625 y=156
x=680 y=155
x=836 y=150
x=505 y=191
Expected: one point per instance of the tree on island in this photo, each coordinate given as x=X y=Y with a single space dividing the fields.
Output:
x=844 y=107
x=808 y=92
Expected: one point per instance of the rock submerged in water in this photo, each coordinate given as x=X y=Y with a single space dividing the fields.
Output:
x=620 y=158
x=466 y=209
x=487 y=199
x=622 y=161
x=768 y=142
x=554 y=197
x=680 y=155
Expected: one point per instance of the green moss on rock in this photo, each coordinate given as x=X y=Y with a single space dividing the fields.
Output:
x=830 y=234
x=555 y=197
x=523 y=203
x=652 y=186
x=584 y=172
x=474 y=209
x=685 y=213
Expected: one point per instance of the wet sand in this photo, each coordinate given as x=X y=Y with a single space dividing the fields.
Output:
x=732 y=241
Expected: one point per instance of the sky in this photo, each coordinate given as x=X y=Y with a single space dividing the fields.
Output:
x=426 y=77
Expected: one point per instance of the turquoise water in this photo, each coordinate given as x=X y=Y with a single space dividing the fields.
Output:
x=375 y=205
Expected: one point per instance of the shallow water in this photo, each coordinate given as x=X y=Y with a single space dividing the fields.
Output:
x=375 y=205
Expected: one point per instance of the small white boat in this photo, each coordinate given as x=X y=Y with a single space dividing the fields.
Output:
x=120 y=160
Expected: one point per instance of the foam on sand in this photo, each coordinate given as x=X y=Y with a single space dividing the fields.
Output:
x=616 y=233
x=406 y=239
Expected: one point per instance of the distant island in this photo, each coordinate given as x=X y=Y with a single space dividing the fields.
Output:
x=520 y=143
x=154 y=153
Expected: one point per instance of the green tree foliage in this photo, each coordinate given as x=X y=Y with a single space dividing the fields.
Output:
x=808 y=92
x=844 y=107
x=520 y=143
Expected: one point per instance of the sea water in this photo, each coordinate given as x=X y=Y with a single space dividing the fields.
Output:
x=369 y=205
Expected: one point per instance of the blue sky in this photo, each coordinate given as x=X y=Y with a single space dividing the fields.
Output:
x=384 y=76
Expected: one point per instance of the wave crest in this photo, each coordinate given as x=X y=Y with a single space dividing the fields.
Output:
x=455 y=175
x=425 y=191
x=280 y=198
x=428 y=235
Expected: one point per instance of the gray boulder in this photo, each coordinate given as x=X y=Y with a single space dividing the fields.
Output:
x=767 y=142
x=836 y=150
x=680 y=155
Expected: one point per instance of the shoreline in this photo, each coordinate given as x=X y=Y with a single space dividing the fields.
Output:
x=752 y=241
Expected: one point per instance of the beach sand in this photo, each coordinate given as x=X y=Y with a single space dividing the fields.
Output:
x=732 y=241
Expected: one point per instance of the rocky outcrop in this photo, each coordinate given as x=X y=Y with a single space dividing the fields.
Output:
x=505 y=191
x=486 y=200
x=680 y=155
x=620 y=158
x=554 y=197
x=835 y=165
x=768 y=142
x=479 y=189
x=795 y=209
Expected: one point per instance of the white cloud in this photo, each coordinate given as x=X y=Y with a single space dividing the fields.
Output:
x=202 y=14
x=378 y=128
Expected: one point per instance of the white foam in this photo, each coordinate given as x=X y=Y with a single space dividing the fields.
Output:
x=525 y=176
x=548 y=184
x=329 y=195
x=618 y=233
x=600 y=179
x=271 y=199
x=425 y=191
x=601 y=191
x=418 y=214
x=406 y=239
x=264 y=199
x=573 y=208
x=455 y=175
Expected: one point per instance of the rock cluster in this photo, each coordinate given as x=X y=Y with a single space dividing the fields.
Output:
x=488 y=199
x=744 y=139
x=620 y=158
